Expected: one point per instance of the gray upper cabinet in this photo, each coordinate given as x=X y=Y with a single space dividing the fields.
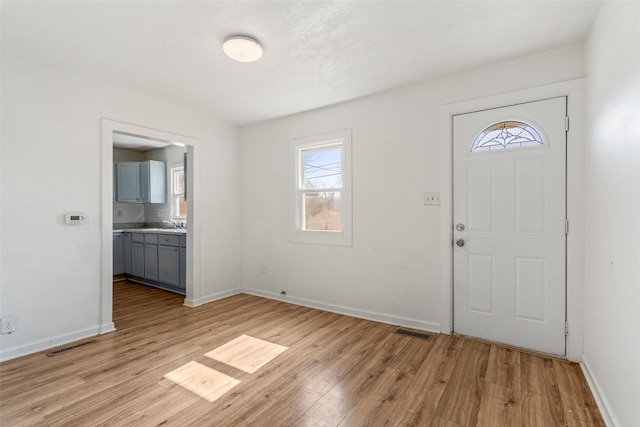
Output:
x=127 y=182
x=140 y=182
x=153 y=181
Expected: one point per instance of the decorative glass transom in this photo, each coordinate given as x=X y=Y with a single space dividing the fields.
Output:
x=504 y=135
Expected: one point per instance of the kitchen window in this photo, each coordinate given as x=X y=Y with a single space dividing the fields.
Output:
x=323 y=189
x=178 y=202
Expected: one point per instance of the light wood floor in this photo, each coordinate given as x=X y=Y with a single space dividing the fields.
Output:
x=337 y=371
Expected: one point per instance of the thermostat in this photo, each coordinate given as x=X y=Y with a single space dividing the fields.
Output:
x=75 y=218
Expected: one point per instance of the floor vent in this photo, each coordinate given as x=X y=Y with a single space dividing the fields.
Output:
x=71 y=347
x=413 y=334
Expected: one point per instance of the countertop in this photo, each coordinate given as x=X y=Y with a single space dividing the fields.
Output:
x=153 y=230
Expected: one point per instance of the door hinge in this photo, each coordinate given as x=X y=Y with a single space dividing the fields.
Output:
x=566 y=226
x=566 y=328
x=566 y=123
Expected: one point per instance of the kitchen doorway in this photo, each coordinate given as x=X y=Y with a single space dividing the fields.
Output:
x=138 y=135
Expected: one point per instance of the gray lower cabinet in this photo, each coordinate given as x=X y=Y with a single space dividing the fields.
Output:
x=169 y=259
x=137 y=254
x=151 y=256
x=169 y=265
x=183 y=262
x=158 y=259
x=127 y=252
x=118 y=253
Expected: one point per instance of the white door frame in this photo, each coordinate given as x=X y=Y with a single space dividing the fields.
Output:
x=574 y=91
x=106 y=218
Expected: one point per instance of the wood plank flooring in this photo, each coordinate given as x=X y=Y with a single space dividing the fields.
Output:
x=336 y=371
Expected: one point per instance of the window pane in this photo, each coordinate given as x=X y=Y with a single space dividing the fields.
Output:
x=182 y=206
x=506 y=135
x=178 y=182
x=322 y=168
x=322 y=211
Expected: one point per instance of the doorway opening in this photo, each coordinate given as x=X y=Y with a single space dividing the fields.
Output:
x=575 y=187
x=509 y=211
x=171 y=157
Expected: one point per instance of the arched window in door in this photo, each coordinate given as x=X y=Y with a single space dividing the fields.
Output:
x=506 y=135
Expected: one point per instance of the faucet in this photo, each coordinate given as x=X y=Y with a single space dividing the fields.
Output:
x=173 y=224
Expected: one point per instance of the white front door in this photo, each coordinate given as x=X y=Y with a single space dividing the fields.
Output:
x=509 y=211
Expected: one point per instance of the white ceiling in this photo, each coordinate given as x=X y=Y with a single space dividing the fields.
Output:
x=316 y=53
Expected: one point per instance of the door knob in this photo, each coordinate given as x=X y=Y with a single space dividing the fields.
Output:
x=460 y=242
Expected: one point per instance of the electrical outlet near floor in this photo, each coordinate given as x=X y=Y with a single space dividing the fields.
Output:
x=8 y=324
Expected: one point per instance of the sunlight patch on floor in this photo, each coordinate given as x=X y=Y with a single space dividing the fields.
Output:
x=202 y=380
x=246 y=353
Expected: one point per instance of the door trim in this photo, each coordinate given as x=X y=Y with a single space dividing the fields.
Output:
x=574 y=91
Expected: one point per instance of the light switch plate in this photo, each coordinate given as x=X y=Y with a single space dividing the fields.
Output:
x=432 y=198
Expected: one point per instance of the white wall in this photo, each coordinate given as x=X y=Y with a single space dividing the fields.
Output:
x=612 y=289
x=392 y=272
x=51 y=164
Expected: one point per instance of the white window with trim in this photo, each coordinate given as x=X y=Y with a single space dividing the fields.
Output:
x=323 y=189
x=178 y=202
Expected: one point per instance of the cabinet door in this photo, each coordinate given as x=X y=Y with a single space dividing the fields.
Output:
x=144 y=182
x=128 y=182
x=153 y=181
x=150 y=261
x=127 y=252
x=169 y=265
x=118 y=253
x=137 y=259
x=183 y=267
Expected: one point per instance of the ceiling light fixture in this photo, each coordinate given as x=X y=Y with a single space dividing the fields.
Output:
x=242 y=48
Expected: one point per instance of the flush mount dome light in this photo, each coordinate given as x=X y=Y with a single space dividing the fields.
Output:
x=242 y=48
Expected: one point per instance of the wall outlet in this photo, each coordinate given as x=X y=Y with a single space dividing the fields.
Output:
x=8 y=324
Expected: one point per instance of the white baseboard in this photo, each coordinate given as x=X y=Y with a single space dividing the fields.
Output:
x=362 y=314
x=12 y=353
x=211 y=298
x=15 y=352
x=598 y=395
x=105 y=328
